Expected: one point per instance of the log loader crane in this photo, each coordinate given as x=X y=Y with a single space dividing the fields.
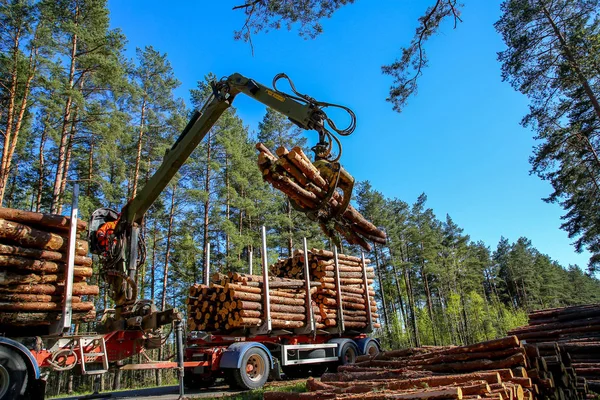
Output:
x=135 y=324
x=116 y=237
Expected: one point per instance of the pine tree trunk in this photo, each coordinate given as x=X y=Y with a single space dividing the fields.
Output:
x=569 y=55
x=62 y=149
x=227 y=209
x=11 y=135
x=290 y=243
x=381 y=291
x=152 y=278
x=407 y=282
x=428 y=295
x=168 y=250
x=65 y=174
x=41 y=167
x=138 y=155
x=398 y=288
x=90 y=175
x=10 y=115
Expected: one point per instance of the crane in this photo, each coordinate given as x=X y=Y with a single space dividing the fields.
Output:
x=116 y=237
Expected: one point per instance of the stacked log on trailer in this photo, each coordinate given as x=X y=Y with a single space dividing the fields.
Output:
x=568 y=338
x=293 y=173
x=33 y=256
x=501 y=369
x=235 y=301
x=351 y=290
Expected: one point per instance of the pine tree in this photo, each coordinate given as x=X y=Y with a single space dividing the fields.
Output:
x=552 y=58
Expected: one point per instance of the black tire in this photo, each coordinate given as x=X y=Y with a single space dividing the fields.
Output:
x=372 y=349
x=254 y=372
x=13 y=374
x=348 y=354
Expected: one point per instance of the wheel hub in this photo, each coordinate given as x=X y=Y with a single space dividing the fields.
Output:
x=255 y=368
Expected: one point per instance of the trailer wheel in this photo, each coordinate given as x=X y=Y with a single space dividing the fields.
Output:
x=254 y=371
x=372 y=349
x=348 y=354
x=13 y=374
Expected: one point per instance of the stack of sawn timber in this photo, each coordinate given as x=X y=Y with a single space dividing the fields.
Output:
x=352 y=288
x=235 y=301
x=570 y=335
x=33 y=256
x=293 y=173
x=501 y=369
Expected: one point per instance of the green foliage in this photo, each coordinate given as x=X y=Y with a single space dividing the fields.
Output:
x=262 y=16
x=552 y=57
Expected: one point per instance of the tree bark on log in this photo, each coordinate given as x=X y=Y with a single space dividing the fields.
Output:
x=44 y=306
x=79 y=289
x=38 y=254
x=40 y=219
x=20 y=263
x=41 y=318
x=26 y=236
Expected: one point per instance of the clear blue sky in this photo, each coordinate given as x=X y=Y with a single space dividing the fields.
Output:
x=459 y=140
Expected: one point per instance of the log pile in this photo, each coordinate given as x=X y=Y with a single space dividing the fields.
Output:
x=352 y=288
x=33 y=255
x=568 y=338
x=235 y=301
x=293 y=173
x=501 y=369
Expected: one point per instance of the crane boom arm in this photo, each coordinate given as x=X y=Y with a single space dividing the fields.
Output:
x=305 y=115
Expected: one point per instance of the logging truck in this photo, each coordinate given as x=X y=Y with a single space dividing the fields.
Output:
x=134 y=325
x=247 y=358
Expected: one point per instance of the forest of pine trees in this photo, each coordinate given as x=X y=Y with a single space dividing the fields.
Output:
x=73 y=107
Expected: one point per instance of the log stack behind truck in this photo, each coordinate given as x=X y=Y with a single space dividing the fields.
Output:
x=33 y=256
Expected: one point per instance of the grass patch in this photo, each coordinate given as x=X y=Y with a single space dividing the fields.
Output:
x=297 y=387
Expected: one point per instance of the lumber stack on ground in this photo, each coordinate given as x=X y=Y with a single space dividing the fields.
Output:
x=351 y=290
x=568 y=338
x=496 y=369
x=293 y=173
x=33 y=256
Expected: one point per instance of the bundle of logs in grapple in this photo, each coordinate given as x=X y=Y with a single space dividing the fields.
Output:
x=352 y=286
x=568 y=338
x=235 y=301
x=33 y=256
x=295 y=175
x=501 y=369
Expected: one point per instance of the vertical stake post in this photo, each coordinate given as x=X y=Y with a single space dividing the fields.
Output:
x=250 y=262
x=180 y=369
x=309 y=310
x=207 y=264
x=338 y=290
x=266 y=297
x=367 y=297
x=67 y=311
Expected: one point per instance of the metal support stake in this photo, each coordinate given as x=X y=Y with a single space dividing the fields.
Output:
x=180 y=369
x=338 y=289
x=367 y=297
x=67 y=311
x=250 y=261
x=267 y=297
x=309 y=310
x=207 y=264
